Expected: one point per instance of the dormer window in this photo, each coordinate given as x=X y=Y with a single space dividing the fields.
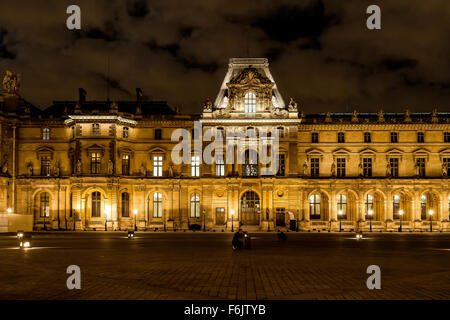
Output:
x=250 y=102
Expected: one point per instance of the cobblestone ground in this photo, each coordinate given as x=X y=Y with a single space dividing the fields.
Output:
x=203 y=266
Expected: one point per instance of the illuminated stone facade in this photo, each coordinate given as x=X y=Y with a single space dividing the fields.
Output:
x=84 y=165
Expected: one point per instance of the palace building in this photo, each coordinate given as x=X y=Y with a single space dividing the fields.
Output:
x=91 y=165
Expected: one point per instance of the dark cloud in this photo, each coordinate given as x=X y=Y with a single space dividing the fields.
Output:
x=321 y=52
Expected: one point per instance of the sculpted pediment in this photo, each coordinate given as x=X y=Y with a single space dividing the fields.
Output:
x=250 y=76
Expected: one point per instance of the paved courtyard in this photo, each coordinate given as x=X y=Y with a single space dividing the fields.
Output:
x=203 y=266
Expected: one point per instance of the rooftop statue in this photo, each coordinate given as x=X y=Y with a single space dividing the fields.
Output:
x=355 y=116
x=380 y=115
x=11 y=83
x=292 y=106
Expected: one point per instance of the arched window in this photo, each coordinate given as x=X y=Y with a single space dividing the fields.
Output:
x=157 y=205
x=369 y=206
x=45 y=204
x=314 y=206
x=396 y=206
x=250 y=165
x=195 y=206
x=250 y=102
x=96 y=204
x=125 y=204
x=342 y=206
x=423 y=207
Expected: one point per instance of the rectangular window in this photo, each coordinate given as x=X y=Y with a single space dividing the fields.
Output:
x=280 y=214
x=281 y=163
x=220 y=165
x=125 y=132
x=195 y=206
x=420 y=137
x=158 y=134
x=195 y=166
x=314 y=137
x=220 y=216
x=125 y=204
x=46 y=134
x=367 y=137
x=396 y=207
x=340 y=167
x=45 y=166
x=157 y=205
x=446 y=137
x=280 y=131
x=341 y=137
x=95 y=129
x=95 y=162
x=126 y=164
x=394 y=137
x=367 y=167
x=157 y=166
x=420 y=163
x=394 y=166
x=314 y=167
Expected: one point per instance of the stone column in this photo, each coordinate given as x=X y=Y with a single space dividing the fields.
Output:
x=332 y=207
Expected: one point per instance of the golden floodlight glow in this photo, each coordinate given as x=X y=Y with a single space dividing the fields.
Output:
x=340 y=212
x=9 y=210
x=400 y=212
x=370 y=212
x=232 y=212
x=431 y=212
x=135 y=211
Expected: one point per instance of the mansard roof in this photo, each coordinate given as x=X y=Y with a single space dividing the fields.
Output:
x=239 y=67
x=373 y=117
x=148 y=108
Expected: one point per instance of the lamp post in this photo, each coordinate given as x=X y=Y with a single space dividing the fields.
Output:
x=232 y=224
x=204 y=220
x=135 y=217
x=164 y=220
x=106 y=220
x=400 y=212
x=431 y=220
x=370 y=218
x=340 y=220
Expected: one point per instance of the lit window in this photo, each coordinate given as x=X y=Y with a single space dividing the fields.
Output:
x=369 y=206
x=423 y=207
x=157 y=205
x=95 y=162
x=195 y=206
x=250 y=102
x=126 y=164
x=342 y=206
x=250 y=165
x=220 y=165
x=45 y=204
x=314 y=206
x=396 y=206
x=46 y=134
x=157 y=166
x=195 y=166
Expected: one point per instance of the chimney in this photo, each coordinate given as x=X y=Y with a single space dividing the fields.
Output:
x=81 y=95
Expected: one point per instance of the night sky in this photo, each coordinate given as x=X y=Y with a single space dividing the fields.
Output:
x=320 y=52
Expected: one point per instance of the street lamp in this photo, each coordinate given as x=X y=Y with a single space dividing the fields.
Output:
x=370 y=218
x=431 y=220
x=9 y=210
x=340 y=220
x=400 y=212
x=164 y=220
x=135 y=215
x=204 y=220
x=232 y=224
x=106 y=220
